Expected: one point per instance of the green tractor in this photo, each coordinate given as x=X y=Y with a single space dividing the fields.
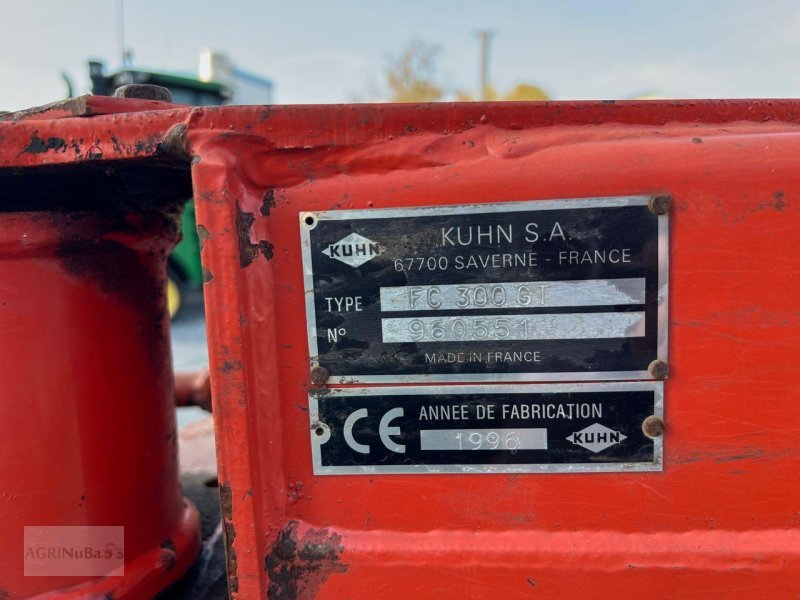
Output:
x=184 y=270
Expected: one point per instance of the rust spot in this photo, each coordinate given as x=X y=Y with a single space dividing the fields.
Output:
x=39 y=145
x=268 y=203
x=202 y=235
x=230 y=365
x=532 y=581
x=267 y=249
x=697 y=140
x=248 y=251
x=298 y=568
x=148 y=145
x=295 y=492
x=94 y=153
x=225 y=496
x=320 y=391
x=777 y=203
x=116 y=145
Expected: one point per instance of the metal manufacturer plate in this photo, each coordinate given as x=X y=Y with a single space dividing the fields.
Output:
x=537 y=290
x=546 y=428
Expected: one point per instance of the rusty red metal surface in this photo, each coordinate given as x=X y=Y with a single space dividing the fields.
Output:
x=721 y=518
x=87 y=411
x=82 y=106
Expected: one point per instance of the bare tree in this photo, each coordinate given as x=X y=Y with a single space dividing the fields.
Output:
x=410 y=76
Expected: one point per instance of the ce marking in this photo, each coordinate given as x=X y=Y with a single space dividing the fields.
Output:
x=385 y=430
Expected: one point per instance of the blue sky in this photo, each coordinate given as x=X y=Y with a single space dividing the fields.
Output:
x=336 y=50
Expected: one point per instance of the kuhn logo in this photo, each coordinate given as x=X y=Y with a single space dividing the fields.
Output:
x=354 y=250
x=596 y=437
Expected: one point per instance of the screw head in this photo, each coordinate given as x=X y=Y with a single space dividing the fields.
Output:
x=658 y=369
x=319 y=375
x=144 y=91
x=653 y=427
x=659 y=205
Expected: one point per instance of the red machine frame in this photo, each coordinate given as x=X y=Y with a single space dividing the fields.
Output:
x=721 y=519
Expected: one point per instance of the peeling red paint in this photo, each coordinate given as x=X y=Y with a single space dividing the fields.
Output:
x=298 y=566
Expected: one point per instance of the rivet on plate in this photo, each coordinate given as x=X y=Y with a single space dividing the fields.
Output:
x=658 y=369
x=653 y=426
x=319 y=375
x=659 y=205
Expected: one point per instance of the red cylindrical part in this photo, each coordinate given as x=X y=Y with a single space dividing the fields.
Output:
x=193 y=388
x=86 y=410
